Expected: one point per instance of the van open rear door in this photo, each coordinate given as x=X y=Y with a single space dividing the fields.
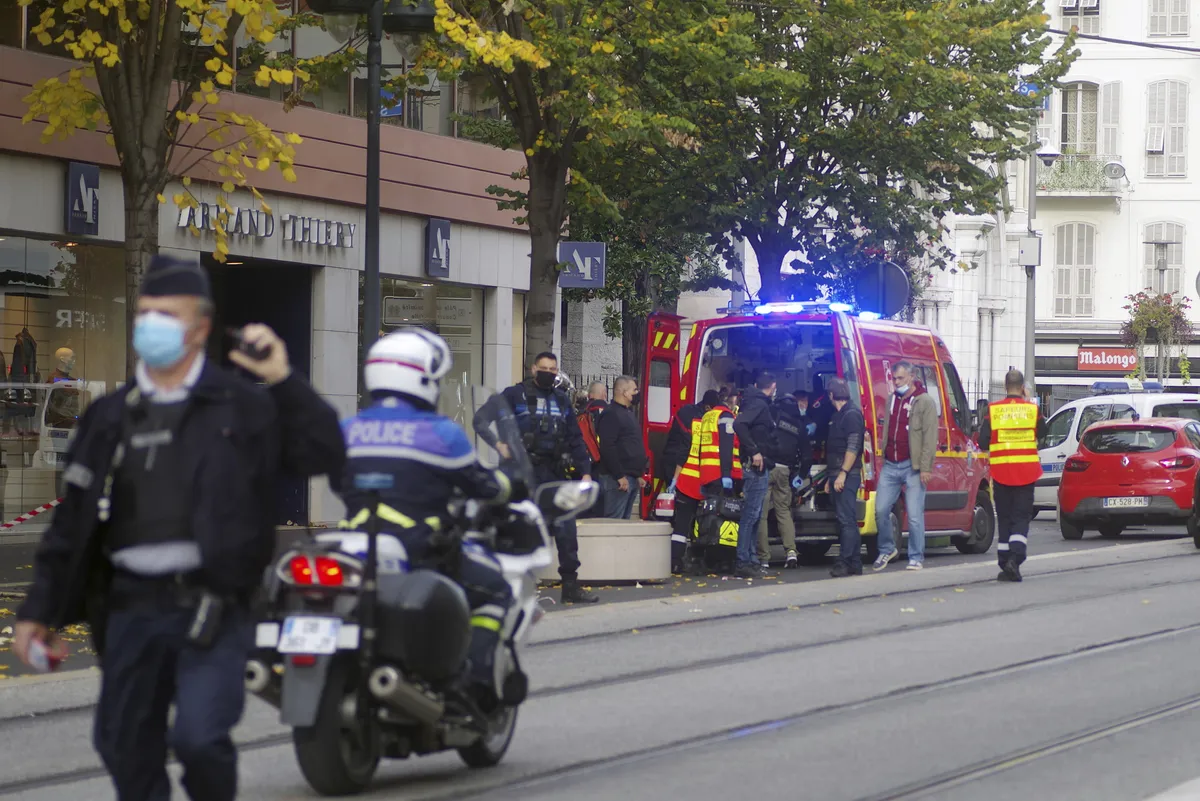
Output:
x=660 y=398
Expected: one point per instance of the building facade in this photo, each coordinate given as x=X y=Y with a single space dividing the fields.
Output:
x=1118 y=210
x=450 y=260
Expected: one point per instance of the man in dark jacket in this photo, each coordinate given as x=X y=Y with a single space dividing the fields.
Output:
x=622 y=451
x=843 y=459
x=555 y=444
x=755 y=428
x=168 y=513
x=793 y=455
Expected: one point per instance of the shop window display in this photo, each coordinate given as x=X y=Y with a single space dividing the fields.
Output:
x=62 y=331
x=453 y=312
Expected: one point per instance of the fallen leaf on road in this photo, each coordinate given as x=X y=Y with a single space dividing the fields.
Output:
x=702 y=584
x=939 y=600
x=959 y=589
x=6 y=630
x=1145 y=600
x=837 y=611
x=907 y=609
x=794 y=608
x=697 y=610
x=634 y=631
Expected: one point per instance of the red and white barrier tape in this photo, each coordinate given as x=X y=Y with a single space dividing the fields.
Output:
x=32 y=513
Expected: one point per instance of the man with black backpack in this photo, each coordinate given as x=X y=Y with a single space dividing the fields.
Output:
x=793 y=454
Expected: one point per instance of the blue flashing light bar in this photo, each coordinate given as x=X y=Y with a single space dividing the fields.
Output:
x=868 y=315
x=840 y=307
x=1125 y=386
x=792 y=307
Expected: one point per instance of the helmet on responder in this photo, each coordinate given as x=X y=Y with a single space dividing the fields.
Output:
x=409 y=362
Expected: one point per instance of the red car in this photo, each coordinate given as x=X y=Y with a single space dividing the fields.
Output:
x=1130 y=473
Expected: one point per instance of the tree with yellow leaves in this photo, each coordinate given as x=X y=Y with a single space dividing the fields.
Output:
x=151 y=74
x=574 y=76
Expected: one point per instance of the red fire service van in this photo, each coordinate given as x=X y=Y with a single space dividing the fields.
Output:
x=798 y=342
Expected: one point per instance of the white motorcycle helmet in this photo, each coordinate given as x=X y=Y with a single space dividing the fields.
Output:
x=410 y=362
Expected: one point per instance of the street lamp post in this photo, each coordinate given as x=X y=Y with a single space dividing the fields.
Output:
x=407 y=17
x=1030 y=271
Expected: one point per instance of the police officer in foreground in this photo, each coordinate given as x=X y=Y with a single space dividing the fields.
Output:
x=1010 y=433
x=428 y=456
x=556 y=447
x=166 y=526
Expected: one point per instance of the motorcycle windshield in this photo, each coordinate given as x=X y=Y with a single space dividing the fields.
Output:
x=499 y=441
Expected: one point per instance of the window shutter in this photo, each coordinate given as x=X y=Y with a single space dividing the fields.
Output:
x=1155 y=136
x=1158 y=17
x=1110 y=119
x=1180 y=14
x=1089 y=3
x=1175 y=145
x=1069 y=3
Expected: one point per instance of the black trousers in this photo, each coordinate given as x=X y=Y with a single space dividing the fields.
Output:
x=1014 y=512
x=147 y=666
x=566 y=535
x=683 y=526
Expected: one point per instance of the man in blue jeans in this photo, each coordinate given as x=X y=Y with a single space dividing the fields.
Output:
x=908 y=442
x=843 y=458
x=755 y=428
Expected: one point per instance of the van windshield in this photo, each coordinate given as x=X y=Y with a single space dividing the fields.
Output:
x=733 y=356
x=1188 y=411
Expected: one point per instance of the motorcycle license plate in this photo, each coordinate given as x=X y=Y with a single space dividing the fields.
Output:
x=309 y=635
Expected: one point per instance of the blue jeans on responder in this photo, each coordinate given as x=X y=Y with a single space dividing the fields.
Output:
x=618 y=503
x=755 y=484
x=148 y=665
x=894 y=477
x=566 y=537
x=845 y=508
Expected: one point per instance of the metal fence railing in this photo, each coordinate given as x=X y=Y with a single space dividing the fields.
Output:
x=980 y=390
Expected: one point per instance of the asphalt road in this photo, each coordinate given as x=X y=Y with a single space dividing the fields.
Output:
x=1079 y=684
x=16 y=559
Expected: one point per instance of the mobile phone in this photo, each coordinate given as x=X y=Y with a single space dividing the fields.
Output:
x=239 y=341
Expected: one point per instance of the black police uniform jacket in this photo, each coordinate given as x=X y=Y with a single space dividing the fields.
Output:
x=544 y=449
x=236 y=437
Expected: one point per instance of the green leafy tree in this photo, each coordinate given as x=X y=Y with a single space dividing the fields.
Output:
x=1161 y=319
x=861 y=124
x=571 y=76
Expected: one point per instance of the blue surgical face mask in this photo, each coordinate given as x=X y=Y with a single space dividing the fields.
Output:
x=902 y=391
x=158 y=339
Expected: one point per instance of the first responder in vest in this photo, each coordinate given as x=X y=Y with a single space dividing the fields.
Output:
x=711 y=468
x=546 y=417
x=1010 y=432
x=429 y=456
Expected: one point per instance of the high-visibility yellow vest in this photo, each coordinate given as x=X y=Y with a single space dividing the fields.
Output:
x=703 y=464
x=1013 y=451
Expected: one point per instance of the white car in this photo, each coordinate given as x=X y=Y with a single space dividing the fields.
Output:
x=1114 y=400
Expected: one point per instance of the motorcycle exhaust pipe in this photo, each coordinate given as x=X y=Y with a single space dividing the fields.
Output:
x=260 y=682
x=258 y=676
x=389 y=686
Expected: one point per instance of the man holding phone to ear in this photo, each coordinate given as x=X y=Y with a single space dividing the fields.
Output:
x=166 y=526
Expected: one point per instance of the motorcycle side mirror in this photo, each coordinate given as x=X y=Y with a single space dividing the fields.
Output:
x=562 y=500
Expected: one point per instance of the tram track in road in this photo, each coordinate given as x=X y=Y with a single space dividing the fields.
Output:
x=82 y=710
x=975 y=771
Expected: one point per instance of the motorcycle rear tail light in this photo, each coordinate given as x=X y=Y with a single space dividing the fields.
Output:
x=1077 y=465
x=302 y=571
x=329 y=572
x=1178 y=463
x=303 y=660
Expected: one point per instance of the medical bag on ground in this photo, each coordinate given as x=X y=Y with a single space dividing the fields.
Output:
x=717 y=521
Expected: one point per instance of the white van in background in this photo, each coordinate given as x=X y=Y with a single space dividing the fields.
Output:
x=1112 y=400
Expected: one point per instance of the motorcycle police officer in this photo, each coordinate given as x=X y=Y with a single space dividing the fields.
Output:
x=555 y=445
x=428 y=457
x=165 y=528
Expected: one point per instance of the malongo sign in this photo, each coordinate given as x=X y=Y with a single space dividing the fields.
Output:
x=1106 y=359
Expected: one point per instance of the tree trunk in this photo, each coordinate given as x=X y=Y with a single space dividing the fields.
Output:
x=545 y=226
x=141 y=245
x=633 y=328
x=770 y=264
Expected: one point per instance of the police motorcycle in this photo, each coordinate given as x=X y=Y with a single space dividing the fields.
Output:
x=364 y=652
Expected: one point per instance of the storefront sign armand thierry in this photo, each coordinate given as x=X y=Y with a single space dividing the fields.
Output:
x=257 y=224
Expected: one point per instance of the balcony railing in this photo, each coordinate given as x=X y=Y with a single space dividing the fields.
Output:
x=1077 y=174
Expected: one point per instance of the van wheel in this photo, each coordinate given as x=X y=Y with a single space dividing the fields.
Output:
x=1110 y=531
x=983 y=527
x=1070 y=531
